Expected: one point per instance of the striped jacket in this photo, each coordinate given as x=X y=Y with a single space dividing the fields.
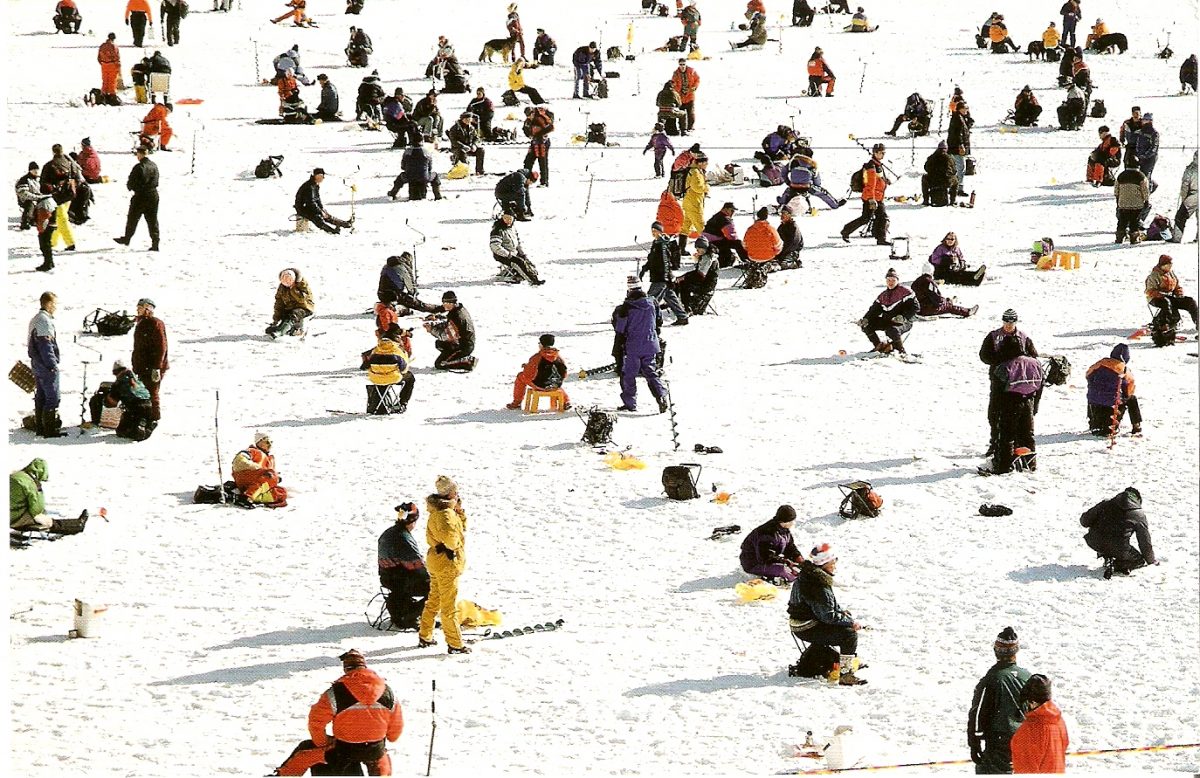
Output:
x=361 y=706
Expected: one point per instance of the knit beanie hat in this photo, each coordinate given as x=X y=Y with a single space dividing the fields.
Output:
x=449 y=297
x=891 y=273
x=352 y=659
x=1165 y=259
x=761 y=214
x=822 y=555
x=785 y=513
x=1009 y=315
x=1006 y=644
x=547 y=340
x=445 y=486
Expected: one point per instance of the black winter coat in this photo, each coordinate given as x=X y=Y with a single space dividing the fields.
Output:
x=308 y=198
x=959 y=134
x=1112 y=522
x=658 y=262
x=466 y=326
x=940 y=168
x=416 y=164
x=512 y=188
x=143 y=178
x=789 y=233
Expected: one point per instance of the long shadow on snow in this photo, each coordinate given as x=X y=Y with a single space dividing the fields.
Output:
x=610 y=249
x=224 y=339
x=1102 y=332
x=500 y=416
x=712 y=583
x=1048 y=200
x=928 y=478
x=719 y=684
x=1051 y=573
x=465 y=221
x=878 y=464
x=249 y=674
x=292 y=637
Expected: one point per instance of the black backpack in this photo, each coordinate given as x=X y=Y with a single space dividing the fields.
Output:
x=1058 y=371
x=856 y=181
x=597 y=133
x=1098 y=109
x=107 y=323
x=599 y=427
x=269 y=167
x=679 y=481
x=816 y=661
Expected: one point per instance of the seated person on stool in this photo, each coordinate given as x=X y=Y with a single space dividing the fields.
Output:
x=1164 y=293
x=131 y=394
x=387 y=366
x=402 y=569
x=544 y=372
x=698 y=284
x=822 y=621
x=939 y=185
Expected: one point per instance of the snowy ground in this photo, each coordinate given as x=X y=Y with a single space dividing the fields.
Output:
x=223 y=624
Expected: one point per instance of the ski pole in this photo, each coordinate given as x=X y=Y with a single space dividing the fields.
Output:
x=862 y=80
x=19 y=613
x=432 y=727
x=864 y=148
x=217 y=439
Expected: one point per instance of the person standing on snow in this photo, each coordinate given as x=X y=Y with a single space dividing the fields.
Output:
x=661 y=144
x=446 y=536
x=109 y=57
x=637 y=322
x=44 y=359
x=149 y=358
x=137 y=17
x=989 y=354
x=958 y=139
x=1187 y=200
x=696 y=192
x=996 y=710
x=659 y=261
x=873 y=193
x=685 y=81
x=1016 y=390
x=172 y=12
x=1040 y=744
x=143 y=204
x=539 y=123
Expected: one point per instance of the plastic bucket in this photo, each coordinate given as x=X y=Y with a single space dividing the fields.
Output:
x=87 y=619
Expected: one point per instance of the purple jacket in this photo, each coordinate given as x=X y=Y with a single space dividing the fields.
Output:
x=637 y=319
x=989 y=352
x=660 y=143
x=1022 y=375
x=951 y=256
x=762 y=548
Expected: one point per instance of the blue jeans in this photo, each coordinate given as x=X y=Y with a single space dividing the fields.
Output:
x=960 y=169
x=664 y=292
x=583 y=74
x=631 y=368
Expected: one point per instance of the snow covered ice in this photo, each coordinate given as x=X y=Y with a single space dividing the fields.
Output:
x=223 y=625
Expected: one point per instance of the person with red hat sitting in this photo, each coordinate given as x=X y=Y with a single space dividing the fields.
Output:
x=815 y=616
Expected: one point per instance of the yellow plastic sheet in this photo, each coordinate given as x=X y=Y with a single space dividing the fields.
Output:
x=618 y=461
x=755 y=589
x=471 y=615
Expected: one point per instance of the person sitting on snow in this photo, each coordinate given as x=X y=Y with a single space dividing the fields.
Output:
x=931 y=299
x=293 y=304
x=892 y=312
x=769 y=551
x=254 y=474
x=308 y=205
x=949 y=265
x=544 y=372
x=506 y=249
x=402 y=569
x=859 y=23
x=27 y=503
x=399 y=277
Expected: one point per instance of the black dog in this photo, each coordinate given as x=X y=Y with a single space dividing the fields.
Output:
x=1036 y=49
x=1106 y=43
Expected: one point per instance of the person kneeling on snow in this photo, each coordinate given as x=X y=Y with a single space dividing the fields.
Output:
x=387 y=367
x=399 y=277
x=544 y=372
x=254 y=474
x=892 y=313
x=27 y=503
x=136 y=410
x=1110 y=390
x=293 y=304
x=1110 y=524
x=931 y=299
x=815 y=616
x=770 y=552
x=402 y=569
x=455 y=333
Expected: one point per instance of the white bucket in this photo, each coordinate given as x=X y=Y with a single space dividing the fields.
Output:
x=841 y=751
x=87 y=620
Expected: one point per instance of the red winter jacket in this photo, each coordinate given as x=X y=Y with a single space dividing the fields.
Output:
x=1040 y=744
x=361 y=706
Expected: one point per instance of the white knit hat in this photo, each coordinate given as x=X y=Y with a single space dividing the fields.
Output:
x=260 y=436
x=822 y=555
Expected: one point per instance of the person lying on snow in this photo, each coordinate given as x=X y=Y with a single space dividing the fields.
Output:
x=544 y=372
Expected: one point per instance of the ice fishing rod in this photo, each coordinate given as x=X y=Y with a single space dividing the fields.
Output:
x=864 y=148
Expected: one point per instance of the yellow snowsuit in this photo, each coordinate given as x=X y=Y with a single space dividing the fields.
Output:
x=446 y=526
x=63 y=224
x=516 y=76
x=693 y=203
x=1050 y=38
x=1098 y=31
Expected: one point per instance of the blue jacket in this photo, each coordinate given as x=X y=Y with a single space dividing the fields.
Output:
x=43 y=343
x=1110 y=377
x=512 y=188
x=329 y=99
x=638 y=320
x=416 y=164
x=1143 y=143
x=399 y=557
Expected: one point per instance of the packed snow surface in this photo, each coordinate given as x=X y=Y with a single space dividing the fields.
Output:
x=223 y=625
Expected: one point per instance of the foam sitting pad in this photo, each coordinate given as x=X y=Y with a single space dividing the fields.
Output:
x=1067 y=260
x=460 y=170
x=755 y=589
x=303 y=225
x=533 y=398
x=618 y=461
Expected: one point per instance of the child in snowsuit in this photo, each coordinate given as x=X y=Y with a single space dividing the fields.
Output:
x=544 y=371
x=661 y=144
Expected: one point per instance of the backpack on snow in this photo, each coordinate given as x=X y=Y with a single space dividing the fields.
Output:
x=679 y=481
x=598 y=133
x=860 y=500
x=769 y=175
x=817 y=661
x=599 y=427
x=1058 y=371
x=1159 y=229
x=503 y=135
x=614 y=52
x=509 y=98
x=269 y=167
x=1098 y=109
x=106 y=323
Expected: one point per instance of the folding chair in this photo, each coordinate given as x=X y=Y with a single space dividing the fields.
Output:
x=383 y=400
x=381 y=621
x=160 y=83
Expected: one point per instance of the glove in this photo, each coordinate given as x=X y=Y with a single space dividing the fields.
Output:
x=126 y=22
x=899 y=321
x=872 y=205
x=976 y=750
x=448 y=552
x=862 y=323
x=156 y=376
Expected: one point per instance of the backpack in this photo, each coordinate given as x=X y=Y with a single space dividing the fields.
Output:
x=769 y=175
x=860 y=500
x=78 y=212
x=856 y=181
x=817 y=661
x=502 y=135
x=679 y=482
x=677 y=43
x=1162 y=331
x=614 y=52
x=1159 y=229
x=269 y=167
x=677 y=184
x=1098 y=110
x=107 y=323
x=1058 y=371
x=599 y=427
x=597 y=133
x=673 y=254
x=509 y=98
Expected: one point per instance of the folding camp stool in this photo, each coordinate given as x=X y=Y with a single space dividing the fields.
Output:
x=160 y=84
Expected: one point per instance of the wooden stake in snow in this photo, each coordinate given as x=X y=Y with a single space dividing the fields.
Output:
x=217 y=438
x=432 y=726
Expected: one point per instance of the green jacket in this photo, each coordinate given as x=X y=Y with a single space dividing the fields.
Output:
x=25 y=495
x=996 y=710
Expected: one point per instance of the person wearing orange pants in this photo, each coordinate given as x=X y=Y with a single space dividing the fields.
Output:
x=446 y=535
x=297 y=13
x=545 y=371
x=155 y=123
x=109 y=58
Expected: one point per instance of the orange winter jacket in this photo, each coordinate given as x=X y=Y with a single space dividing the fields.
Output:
x=670 y=214
x=1040 y=744
x=109 y=54
x=816 y=66
x=1162 y=283
x=685 y=84
x=140 y=6
x=756 y=5
x=154 y=121
x=762 y=241
x=286 y=85
x=361 y=706
x=250 y=468
x=997 y=32
x=874 y=183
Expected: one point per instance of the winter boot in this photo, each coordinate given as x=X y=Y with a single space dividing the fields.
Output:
x=70 y=526
x=47 y=264
x=459 y=650
x=847 y=677
x=51 y=425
